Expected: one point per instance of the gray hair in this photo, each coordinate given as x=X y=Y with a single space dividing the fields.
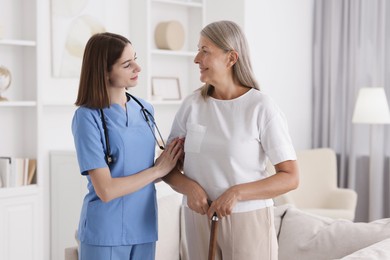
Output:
x=228 y=36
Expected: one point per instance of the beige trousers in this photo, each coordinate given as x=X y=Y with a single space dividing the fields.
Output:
x=241 y=236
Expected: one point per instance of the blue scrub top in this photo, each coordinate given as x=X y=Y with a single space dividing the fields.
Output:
x=131 y=219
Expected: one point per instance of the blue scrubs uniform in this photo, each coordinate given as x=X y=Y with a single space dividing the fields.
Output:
x=131 y=219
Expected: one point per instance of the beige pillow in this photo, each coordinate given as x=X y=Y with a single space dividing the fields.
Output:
x=308 y=236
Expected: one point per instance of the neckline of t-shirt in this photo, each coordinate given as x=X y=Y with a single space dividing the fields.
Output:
x=234 y=99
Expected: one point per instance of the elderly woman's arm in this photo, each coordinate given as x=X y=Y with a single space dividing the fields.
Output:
x=196 y=195
x=284 y=180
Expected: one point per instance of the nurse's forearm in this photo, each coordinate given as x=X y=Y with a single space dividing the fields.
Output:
x=108 y=188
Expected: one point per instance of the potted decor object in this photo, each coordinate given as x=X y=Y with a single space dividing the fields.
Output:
x=5 y=81
x=169 y=35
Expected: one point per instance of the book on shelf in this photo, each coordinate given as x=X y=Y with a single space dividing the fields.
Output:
x=5 y=171
x=19 y=171
x=15 y=172
x=32 y=169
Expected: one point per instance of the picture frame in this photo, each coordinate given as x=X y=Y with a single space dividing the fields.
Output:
x=166 y=88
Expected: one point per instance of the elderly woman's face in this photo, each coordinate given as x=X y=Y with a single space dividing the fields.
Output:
x=214 y=63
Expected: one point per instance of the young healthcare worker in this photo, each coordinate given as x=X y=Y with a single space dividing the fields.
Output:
x=114 y=136
x=230 y=129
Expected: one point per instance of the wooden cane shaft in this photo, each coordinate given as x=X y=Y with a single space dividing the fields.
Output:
x=213 y=240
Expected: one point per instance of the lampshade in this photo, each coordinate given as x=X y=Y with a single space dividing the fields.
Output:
x=371 y=107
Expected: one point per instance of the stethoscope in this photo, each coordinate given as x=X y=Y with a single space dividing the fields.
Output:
x=149 y=119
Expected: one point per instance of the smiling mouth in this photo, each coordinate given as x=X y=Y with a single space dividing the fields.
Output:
x=136 y=77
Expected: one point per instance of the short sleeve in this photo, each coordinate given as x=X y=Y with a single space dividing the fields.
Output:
x=276 y=140
x=179 y=123
x=88 y=133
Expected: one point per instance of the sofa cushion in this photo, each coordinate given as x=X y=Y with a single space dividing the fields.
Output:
x=332 y=213
x=279 y=213
x=71 y=253
x=168 y=244
x=308 y=236
x=377 y=251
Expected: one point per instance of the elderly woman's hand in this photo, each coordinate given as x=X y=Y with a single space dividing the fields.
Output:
x=197 y=199
x=224 y=204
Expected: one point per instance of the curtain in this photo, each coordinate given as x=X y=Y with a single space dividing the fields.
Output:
x=351 y=49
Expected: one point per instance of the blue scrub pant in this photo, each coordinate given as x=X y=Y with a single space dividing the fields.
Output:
x=133 y=252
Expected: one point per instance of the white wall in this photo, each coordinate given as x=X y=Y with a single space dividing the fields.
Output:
x=279 y=33
x=280 y=36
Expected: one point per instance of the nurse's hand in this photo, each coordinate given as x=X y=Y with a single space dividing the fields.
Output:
x=169 y=157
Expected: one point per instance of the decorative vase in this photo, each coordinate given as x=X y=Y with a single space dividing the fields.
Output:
x=169 y=35
x=5 y=81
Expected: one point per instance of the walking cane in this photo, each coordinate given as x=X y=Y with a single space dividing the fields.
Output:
x=213 y=236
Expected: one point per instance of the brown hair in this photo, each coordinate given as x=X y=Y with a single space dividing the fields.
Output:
x=101 y=52
x=228 y=36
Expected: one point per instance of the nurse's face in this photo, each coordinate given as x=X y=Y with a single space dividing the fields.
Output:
x=125 y=71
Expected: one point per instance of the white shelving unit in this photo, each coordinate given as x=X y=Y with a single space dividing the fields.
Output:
x=20 y=207
x=167 y=63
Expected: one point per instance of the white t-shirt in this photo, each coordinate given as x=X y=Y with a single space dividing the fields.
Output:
x=227 y=142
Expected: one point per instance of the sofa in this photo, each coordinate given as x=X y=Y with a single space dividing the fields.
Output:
x=306 y=236
x=301 y=235
x=318 y=192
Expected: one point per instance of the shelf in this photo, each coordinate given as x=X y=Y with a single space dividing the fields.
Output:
x=162 y=103
x=188 y=3
x=153 y=102
x=18 y=104
x=174 y=53
x=174 y=63
x=22 y=207
x=12 y=192
x=18 y=42
x=60 y=104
